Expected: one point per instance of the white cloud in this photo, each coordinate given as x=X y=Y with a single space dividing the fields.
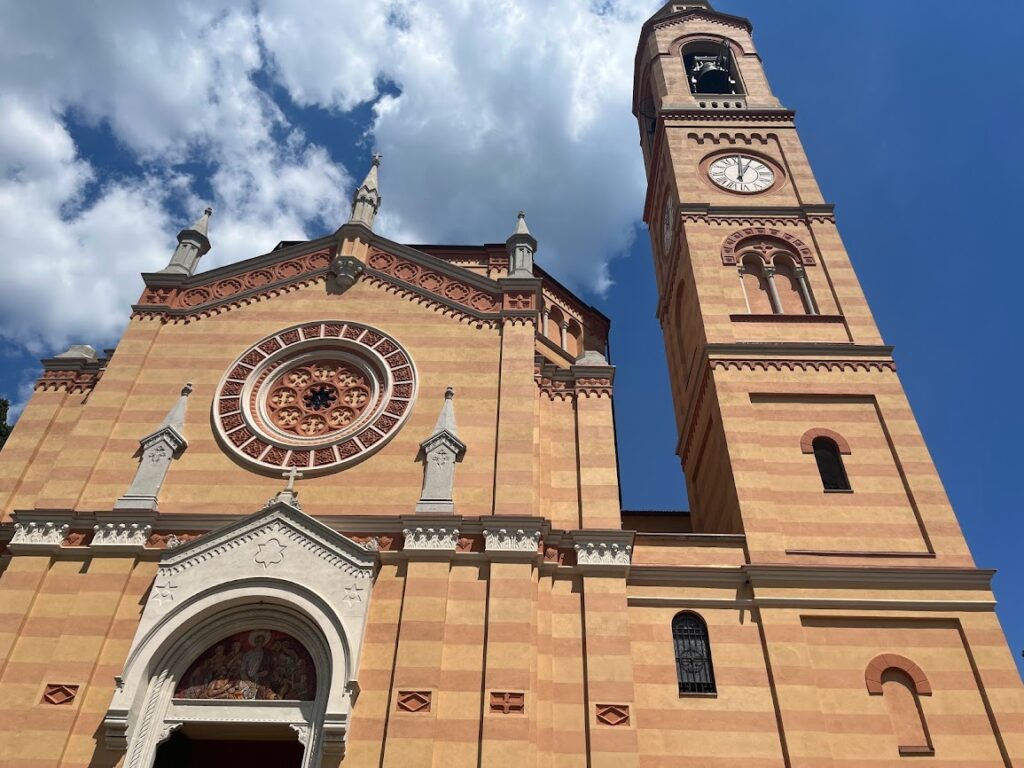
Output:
x=500 y=105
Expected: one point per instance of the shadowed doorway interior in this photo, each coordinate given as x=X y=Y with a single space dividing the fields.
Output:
x=198 y=747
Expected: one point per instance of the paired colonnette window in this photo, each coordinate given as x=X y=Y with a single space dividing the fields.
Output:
x=775 y=285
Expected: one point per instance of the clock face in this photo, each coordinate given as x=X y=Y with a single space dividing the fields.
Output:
x=740 y=173
x=666 y=236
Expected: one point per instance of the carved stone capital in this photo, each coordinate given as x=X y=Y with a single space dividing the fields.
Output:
x=38 y=536
x=121 y=536
x=611 y=549
x=439 y=539
x=512 y=538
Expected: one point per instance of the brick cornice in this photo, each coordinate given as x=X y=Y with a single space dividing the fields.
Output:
x=74 y=375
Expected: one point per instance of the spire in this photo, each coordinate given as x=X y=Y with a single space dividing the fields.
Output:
x=521 y=247
x=366 y=200
x=157 y=450
x=441 y=451
x=446 y=419
x=202 y=225
x=175 y=418
x=193 y=243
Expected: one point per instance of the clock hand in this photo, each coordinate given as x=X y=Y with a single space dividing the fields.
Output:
x=739 y=168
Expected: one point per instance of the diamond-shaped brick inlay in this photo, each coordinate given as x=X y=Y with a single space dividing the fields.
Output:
x=507 y=702
x=58 y=694
x=613 y=714
x=414 y=701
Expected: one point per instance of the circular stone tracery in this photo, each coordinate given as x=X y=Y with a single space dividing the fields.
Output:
x=312 y=399
x=317 y=396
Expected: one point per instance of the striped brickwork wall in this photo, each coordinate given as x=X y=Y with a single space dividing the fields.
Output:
x=94 y=435
x=557 y=462
x=898 y=505
x=515 y=469
x=598 y=474
x=790 y=682
x=93 y=440
x=609 y=673
x=33 y=446
x=737 y=725
x=75 y=631
x=830 y=718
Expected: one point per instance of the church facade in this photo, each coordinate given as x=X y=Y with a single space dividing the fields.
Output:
x=355 y=502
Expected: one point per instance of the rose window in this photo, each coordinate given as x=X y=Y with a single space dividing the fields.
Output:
x=316 y=396
x=312 y=399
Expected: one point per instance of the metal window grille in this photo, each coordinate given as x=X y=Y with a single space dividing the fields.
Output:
x=693 y=654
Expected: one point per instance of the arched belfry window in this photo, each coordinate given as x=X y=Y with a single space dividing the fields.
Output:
x=711 y=68
x=830 y=464
x=693 y=654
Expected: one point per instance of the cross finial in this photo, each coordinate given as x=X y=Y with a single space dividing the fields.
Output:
x=377 y=157
x=291 y=476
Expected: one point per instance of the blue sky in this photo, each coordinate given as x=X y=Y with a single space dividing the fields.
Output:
x=119 y=122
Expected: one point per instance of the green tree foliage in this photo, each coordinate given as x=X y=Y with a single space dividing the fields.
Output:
x=5 y=428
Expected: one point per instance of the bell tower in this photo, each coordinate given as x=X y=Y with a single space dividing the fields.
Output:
x=793 y=426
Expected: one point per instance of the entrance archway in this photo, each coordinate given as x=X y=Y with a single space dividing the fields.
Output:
x=293 y=594
x=196 y=747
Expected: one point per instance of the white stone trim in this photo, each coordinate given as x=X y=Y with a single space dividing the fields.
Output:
x=603 y=548
x=511 y=539
x=435 y=539
x=316 y=588
x=120 y=536
x=38 y=536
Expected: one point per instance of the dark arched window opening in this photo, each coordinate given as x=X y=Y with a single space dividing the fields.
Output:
x=693 y=654
x=711 y=68
x=830 y=465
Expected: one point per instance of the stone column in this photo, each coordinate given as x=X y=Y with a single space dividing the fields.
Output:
x=805 y=291
x=564 y=340
x=773 y=291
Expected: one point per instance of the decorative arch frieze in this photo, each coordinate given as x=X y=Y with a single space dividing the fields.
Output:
x=278 y=571
x=765 y=241
x=732 y=138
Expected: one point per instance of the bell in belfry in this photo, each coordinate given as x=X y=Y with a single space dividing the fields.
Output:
x=711 y=73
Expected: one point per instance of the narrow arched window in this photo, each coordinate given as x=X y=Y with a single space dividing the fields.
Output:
x=755 y=286
x=788 y=285
x=830 y=465
x=693 y=654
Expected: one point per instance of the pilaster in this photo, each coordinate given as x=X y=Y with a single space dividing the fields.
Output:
x=595 y=435
x=515 y=482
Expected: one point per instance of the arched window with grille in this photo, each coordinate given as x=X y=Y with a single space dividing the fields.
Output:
x=693 y=654
x=830 y=465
